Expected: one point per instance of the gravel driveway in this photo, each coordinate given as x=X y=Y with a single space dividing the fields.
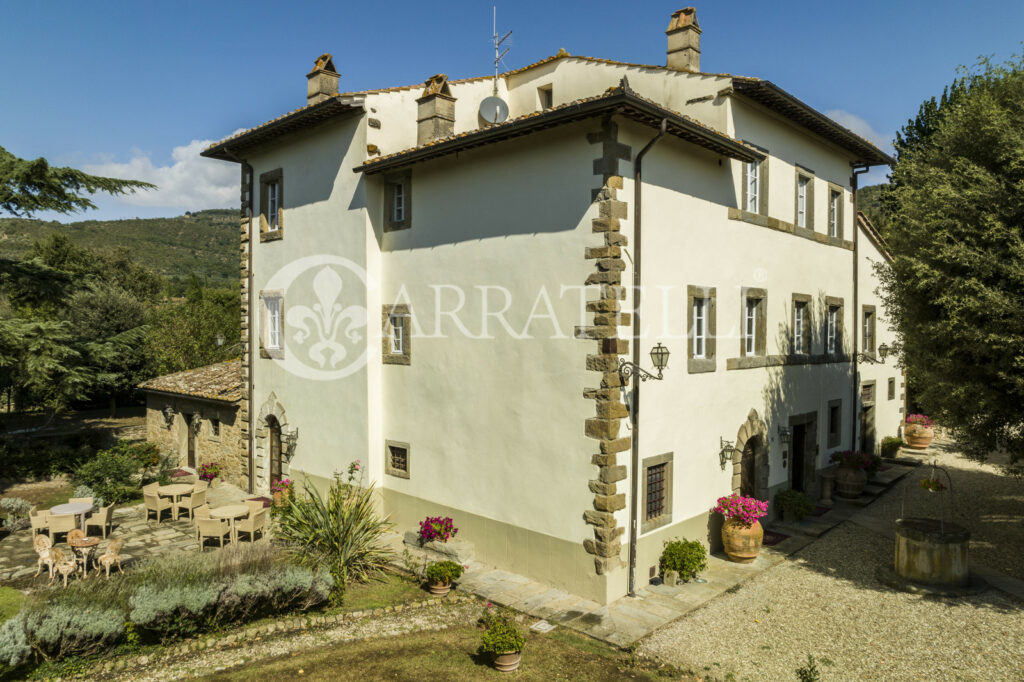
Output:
x=826 y=601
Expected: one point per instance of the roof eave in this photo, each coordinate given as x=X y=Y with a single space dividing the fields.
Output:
x=769 y=95
x=311 y=115
x=624 y=103
x=176 y=394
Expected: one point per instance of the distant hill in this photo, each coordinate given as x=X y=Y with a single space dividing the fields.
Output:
x=869 y=200
x=203 y=242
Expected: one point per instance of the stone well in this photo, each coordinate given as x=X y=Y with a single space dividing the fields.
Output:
x=932 y=552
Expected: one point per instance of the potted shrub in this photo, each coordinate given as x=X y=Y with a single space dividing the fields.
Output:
x=437 y=529
x=440 y=575
x=742 y=534
x=208 y=472
x=891 y=446
x=682 y=560
x=502 y=640
x=282 y=490
x=851 y=475
x=794 y=505
x=919 y=431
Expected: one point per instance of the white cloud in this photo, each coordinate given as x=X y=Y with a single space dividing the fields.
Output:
x=861 y=127
x=190 y=182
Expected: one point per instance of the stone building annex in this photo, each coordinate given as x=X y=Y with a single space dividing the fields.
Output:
x=442 y=280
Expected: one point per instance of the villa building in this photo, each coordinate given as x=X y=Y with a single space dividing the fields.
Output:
x=444 y=280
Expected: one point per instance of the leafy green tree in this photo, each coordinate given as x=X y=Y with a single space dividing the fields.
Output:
x=27 y=187
x=184 y=335
x=956 y=286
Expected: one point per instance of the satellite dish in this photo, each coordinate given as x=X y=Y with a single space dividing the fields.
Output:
x=493 y=110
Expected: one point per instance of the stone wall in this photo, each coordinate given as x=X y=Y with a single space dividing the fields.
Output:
x=226 y=450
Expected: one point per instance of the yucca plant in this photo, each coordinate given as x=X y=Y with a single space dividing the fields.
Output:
x=339 y=530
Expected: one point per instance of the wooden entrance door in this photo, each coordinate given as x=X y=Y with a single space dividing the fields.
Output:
x=191 y=422
x=798 y=444
x=867 y=429
x=748 y=468
x=275 y=449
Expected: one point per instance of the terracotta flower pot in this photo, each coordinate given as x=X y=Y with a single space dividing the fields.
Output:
x=507 y=662
x=850 y=482
x=281 y=496
x=742 y=542
x=917 y=436
x=440 y=589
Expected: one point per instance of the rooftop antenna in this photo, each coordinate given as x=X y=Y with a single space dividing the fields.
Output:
x=497 y=46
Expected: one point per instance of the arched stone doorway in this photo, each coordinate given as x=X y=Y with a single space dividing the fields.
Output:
x=750 y=458
x=270 y=458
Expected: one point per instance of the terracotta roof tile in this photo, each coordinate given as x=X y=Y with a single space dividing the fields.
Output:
x=222 y=382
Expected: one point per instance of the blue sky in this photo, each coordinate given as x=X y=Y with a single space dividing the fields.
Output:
x=138 y=88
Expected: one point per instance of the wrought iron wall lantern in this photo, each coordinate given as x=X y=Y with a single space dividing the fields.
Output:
x=883 y=350
x=168 y=413
x=288 y=440
x=785 y=433
x=725 y=452
x=659 y=356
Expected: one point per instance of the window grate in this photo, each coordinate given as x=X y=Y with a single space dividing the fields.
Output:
x=399 y=458
x=655 y=491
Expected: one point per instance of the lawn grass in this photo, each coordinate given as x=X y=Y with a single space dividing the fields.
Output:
x=10 y=602
x=393 y=590
x=451 y=655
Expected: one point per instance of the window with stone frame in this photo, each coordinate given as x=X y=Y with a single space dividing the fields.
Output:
x=804 y=198
x=892 y=388
x=272 y=324
x=657 y=492
x=868 y=329
x=396 y=348
x=700 y=323
x=833 y=327
x=835 y=211
x=396 y=459
x=755 y=184
x=835 y=423
x=801 y=332
x=398 y=201
x=753 y=326
x=272 y=205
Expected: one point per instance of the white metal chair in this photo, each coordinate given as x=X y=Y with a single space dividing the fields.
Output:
x=111 y=557
x=41 y=544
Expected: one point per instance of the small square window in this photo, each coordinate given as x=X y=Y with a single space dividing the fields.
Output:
x=396 y=459
x=657 y=492
x=546 y=96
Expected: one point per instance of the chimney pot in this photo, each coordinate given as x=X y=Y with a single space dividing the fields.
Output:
x=435 y=110
x=684 y=40
x=322 y=81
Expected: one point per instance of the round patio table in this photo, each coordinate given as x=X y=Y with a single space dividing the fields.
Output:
x=175 y=491
x=76 y=508
x=84 y=547
x=232 y=512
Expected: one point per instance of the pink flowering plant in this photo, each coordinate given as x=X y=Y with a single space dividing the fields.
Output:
x=743 y=508
x=208 y=471
x=851 y=458
x=921 y=420
x=285 y=485
x=437 y=528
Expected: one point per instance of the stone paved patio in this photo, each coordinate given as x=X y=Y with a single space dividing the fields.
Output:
x=143 y=538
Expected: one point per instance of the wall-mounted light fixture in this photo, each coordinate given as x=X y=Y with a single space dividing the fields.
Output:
x=168 y=413
x=659 y=356
x=785 y=433
x=288 y=440
x=725 y=452
x=883 y=350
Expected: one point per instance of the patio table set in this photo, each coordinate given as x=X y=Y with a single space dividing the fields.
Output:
x=73 y=519
x=217 y=523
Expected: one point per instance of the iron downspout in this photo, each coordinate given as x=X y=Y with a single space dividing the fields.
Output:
x=635 y=399
x=858 y=169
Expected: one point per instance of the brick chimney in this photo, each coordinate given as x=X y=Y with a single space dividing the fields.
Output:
x=322 y=80
x=435 y=112
x=684 y=40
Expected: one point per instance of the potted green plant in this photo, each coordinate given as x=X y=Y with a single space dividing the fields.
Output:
x=742 y=534
x=794 y=505
x=501 y=639
x=891 y=446
x=441 y=574
x=682 y=560
x=851 y=474
x=919 y=431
